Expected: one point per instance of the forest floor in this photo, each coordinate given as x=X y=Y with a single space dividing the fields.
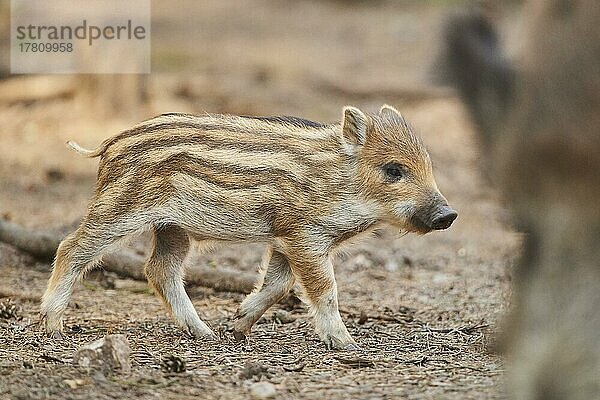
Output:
x=424 y=309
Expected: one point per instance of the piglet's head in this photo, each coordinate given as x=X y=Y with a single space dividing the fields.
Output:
x=394 y=170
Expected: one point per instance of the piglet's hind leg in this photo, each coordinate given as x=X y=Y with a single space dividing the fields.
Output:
x=275 y=282
x=164 y=271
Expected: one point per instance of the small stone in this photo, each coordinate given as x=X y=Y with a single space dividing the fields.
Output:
x=391 y=265
x=74 y=383
x=283 y=316
x=263 y=390
x=110 y=353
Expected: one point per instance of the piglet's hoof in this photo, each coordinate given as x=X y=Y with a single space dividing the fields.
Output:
x=56 y=335
x=239 y=336
x=352 y=347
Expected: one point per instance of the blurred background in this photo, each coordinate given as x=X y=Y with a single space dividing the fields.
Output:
x=306 y=58
x=303 y=58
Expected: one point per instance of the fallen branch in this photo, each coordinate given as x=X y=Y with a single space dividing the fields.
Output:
x=125 y=263
x=128 y=264
x=42 y=245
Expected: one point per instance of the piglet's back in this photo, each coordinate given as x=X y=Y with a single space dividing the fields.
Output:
x=241 y=165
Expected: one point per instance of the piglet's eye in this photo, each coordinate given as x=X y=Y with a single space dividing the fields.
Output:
x=394 y=171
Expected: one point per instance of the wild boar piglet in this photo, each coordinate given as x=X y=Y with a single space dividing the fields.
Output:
x=302 y=187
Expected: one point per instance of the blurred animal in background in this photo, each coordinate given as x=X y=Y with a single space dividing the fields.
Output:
x=539 y=125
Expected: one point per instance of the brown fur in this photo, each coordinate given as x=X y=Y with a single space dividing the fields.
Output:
x=300 y=186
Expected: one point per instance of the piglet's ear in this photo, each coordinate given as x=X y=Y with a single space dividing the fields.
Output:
x=354 y=126
x=389 y=111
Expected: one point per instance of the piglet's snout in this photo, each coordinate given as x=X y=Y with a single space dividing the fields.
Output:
x=443 y=218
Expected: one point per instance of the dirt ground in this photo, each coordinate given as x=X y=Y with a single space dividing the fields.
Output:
x=424 y=310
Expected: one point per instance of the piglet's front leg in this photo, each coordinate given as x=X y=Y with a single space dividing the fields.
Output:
x=315 y=275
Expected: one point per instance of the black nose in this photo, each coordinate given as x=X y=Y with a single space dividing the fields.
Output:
x=444 y=218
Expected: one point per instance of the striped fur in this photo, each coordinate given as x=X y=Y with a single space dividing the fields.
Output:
x=300 y=186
